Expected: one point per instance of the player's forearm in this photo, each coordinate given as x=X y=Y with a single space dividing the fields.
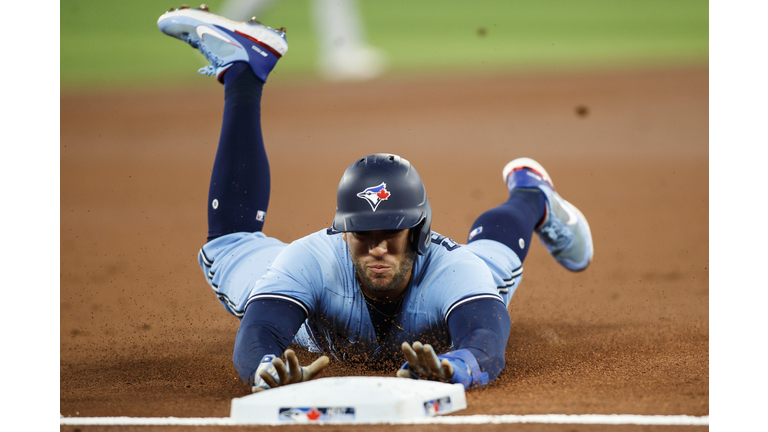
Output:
x=482 y=328
x=267 y=327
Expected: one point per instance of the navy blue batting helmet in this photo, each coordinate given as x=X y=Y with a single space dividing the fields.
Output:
x=384 y=192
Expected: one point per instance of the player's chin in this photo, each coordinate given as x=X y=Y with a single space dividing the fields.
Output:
x=380 y=283
x=381 y=279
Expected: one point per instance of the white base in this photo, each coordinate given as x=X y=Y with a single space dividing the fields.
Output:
x=349 y=400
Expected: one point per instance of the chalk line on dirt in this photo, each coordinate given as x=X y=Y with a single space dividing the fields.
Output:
x=613 y=419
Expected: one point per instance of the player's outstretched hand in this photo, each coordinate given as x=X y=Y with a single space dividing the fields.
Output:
x=272 y=372
x=424 y=364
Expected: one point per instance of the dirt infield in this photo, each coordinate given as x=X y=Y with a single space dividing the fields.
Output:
x=143 y=335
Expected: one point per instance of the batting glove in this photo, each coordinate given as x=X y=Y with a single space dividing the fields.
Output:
x=272 y=372
x=455 y=366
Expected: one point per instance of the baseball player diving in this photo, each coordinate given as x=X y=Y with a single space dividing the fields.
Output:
x=379 y=286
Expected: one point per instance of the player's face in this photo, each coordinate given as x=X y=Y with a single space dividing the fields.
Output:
x=383 y=259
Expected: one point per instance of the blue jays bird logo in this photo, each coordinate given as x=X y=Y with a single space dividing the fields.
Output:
x=375 y=195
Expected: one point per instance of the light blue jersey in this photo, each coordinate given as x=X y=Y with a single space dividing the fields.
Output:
x=317 y=275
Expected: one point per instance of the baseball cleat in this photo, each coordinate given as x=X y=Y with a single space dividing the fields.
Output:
x=564 y=231
x=224 y=42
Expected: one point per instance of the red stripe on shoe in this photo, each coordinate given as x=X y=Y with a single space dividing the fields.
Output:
x=263 y=45
x=541 y=222
x=220 y=78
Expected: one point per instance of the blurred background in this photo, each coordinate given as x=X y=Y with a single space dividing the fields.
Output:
x=106 y=44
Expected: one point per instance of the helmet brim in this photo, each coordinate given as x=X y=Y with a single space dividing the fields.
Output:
x=381 y=220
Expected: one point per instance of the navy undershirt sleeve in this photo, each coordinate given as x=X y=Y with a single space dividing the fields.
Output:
x=482 y=327
x=267 y=327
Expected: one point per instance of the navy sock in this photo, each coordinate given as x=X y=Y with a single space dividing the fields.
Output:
x=234 y=71
x=239 y=192
x=513 y=222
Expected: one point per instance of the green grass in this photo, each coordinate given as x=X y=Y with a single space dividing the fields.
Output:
x=118 y=44
x=549 y=33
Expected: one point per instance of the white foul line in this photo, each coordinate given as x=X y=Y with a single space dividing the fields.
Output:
x=613 y=419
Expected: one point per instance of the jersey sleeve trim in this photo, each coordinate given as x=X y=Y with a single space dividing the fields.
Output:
x=278 y=297
x=469 y=299
x=230 y=305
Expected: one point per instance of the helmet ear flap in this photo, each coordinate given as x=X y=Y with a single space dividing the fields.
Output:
x=414 y=237
x=420 y=237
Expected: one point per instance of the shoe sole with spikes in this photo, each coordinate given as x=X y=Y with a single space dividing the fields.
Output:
x=564 y=231
x=224 y=41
